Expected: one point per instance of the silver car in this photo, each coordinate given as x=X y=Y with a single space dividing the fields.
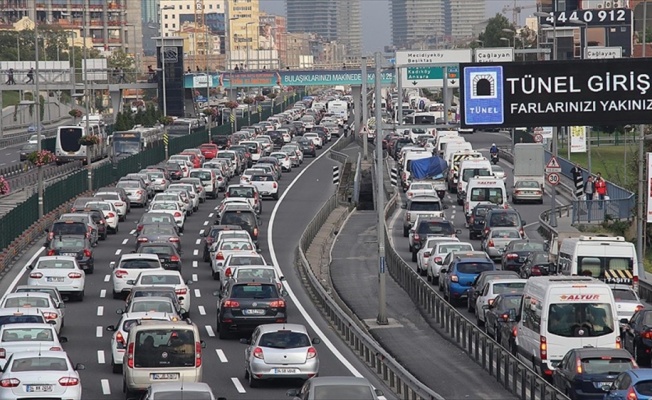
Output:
x=527 y=191
x=179 y=390
x=28 y=337
x=627 y=302
x=280 y=351
x=498 y=238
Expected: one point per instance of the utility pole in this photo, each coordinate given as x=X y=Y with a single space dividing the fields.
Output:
x=37 y=103
x=86 y=103
x=380 y=198
x=640 y=221
x=364 y=109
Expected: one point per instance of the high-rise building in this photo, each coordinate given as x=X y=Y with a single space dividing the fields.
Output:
x=338 y=20
x=243 y=24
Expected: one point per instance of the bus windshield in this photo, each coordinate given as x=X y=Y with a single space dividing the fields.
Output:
x=126 y=146
x=69 y=139
x=580 y=319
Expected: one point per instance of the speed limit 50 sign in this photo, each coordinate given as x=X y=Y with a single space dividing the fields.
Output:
x=553 y=178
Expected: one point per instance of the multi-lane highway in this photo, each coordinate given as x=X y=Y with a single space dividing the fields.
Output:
x=304 y=191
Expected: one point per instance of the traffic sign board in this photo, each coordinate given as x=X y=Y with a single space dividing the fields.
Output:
x=538 y=138
x=427 y=70
x=430 y=77
x=553 y=178
x=553 y=166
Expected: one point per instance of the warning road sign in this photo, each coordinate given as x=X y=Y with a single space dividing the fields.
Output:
x=553 y=178
x=553 y=166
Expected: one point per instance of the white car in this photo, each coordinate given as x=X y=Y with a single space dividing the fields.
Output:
x=109 y=211
x=186 y=201
x=194 y=197
x=224 y=248
x=497 y=285
x=284 y=160
x=121 y=333
x=15 y=338
x=421 y=189
x=439 y=252
x=40 y=301
x=165 y=278
x=41 y=374
x=172 y=208
x=159 y=183
x=245 y=178
x=627 y=302
x=316 y=139
x=232 y=200
x=114 y=198
x=423 y=255
x=61 y=272
x=237 y=260
x=168 y=196
x=296 y=149
x=196 y=185
x=128 y=269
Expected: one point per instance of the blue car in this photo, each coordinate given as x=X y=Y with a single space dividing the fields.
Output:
x=461 y=273
x=635 y=384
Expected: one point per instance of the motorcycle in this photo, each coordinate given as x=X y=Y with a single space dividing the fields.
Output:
x=494 y=158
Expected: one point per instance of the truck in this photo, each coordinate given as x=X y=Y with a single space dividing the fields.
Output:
x=433 y=169
x=529 y=163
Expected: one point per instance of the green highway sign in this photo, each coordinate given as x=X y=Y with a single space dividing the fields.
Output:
x=430 y=76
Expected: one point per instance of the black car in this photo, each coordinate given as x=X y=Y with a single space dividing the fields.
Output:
x=158 y=233
x=174 y=170
x=400 y=143
x=277 y=138
x=476 y=222
x=637 y=336
x=500 y=318
x=223 y=142
x=243 y=216
x=210 y=235
x=501 y=217
x=430 y=227
x=152 y=217
x=100 y=221
x=67 y=227
x=26 y=150
x=480 y=281
x=583 y=372
x=167 y=253
x=307 y=147
x=517 y=251
x=537 y=263
x=248 y=303
x=74 y=246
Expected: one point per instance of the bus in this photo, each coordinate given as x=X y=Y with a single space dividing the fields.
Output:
x=339 y=108
x=184 y=126
x=68 y=148
x=421 y=118
x=135 y=140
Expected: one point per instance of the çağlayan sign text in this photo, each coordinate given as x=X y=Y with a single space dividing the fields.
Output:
x=559 y=93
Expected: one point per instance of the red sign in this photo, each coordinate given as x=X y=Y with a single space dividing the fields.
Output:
x=579 y=297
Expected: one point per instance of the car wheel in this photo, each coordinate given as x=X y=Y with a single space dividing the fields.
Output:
x=116 y=368
x=117 y=295
x=181 y=229
x=215 y=275
x=80 y=296
x=253 y=383
x=275 y=196
x=90 y=269
x=206 y=256
x=468 y=305
x=428 y=277
x=246 y=374
x=406 y=232
x=414 y=256
x=223 y=333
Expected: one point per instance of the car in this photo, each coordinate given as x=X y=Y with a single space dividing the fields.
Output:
x=479 y=283
x=122 y=194
x=109 y=212
x=181 y=196
x=209 y=235
x=627 y=302
x=492 y=288
x=439 y=252
x=336 y=387
x=284 y=159
x=180 y=390
x=235 y=272
x=41 y=301
x=227 y=246
x=172 y=208
x=26 y=150
x=191 y=191
x=197 y=186
x=497 y=240
x=136 y=192
x=209 y=150
x=77 y=247
x=152 y=304
x=527 y=190
x=91 y=228
x=266 y=185
x=307 y=147
x=417 y=188
x=41 y=373
x=158 y=233
x=80 y=203
x=423 y=255
x=128 y=268
x=165 y=278
x=208 y=180
x=171 y=196
x=517 y=251
x=120 y=205
x=245 y=178
x=247 y=304
x=476 y=221
x=280 y=351
x=62 y=274
x=242 y=216
x=167 y=253
x=15 y=338
x=151 y=217
x=51 y=290
x=98 y=217
x=159 y=179
x=316 y=139
x=537 y=263
x=500 y=317
x=249 y=192
x=635 y=384
x=502 y=218
x=583 y=372
x=174 y=170
x=153 y=291
x=460 y=274
x=121 y=333
x=425 y=228
x=498 y=172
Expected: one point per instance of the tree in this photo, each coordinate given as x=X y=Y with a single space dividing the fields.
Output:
x=123 y=61
x=491 y=35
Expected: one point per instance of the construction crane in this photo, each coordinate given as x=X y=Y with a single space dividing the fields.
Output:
x=516 y=11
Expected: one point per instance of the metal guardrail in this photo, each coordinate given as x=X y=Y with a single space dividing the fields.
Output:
x=21 y=138
x=29 y=175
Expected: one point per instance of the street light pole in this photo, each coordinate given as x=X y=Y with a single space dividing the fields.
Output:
x=86 y=103
x=380 y=199
x=37 y=102
x=640 y=231
x=364 y=108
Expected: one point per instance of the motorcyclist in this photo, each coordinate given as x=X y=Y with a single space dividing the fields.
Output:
x=494 y=149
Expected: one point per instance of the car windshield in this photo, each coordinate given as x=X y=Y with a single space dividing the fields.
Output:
x=447 y=248
x=505 y=234
x=244 y=219
x=474 y=267
x=425 y=206
x=284 y=340
x=152 y=306
x=58 y=264
x=27 y=335
x=109 y=196
x=580 y=319
x=164 y=206
x=236 y=245
x=262 y=178
x=541 y=258
x=503 y=219
x=67 y=243
x=151 y=218
x=421 y=186
x=624 y=294
x=511 y=287
x=202 y=175
x=260 y=273
x=164 y=348
x=254 y=291
x=526 y=246
x=607 y=365
x=21 y=319
x=186 y=395
x=528 y=185
x=26 y=302
x=349 y=392
x=100 y=205
x=254 y=260
x=436 y=228
x=39 y=364
x=158 y=230
x=160 y=280
x=162 y=250
x=139 y=264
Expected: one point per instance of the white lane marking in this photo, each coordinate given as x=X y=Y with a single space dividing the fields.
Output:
x=237 y=384
x=197 y=293
x=295 y=300
x=221 y=355
x=198 y=241
x=117 y=252
x=106 y=389
x=216 y=208
x=132 y=232
x=102 y=293
x=202 y=310
x=201 y=233
x=100 y=311
x=107 y=278
x=210 y=215
x=194 y=278
x=100 y=357
x=206 y=223
x=23 y=271
x=99 y=331
x=125 y=241
x=195 y=252
x=209 y=330
x=195 y=264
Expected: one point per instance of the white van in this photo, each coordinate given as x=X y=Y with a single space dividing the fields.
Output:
x=484 y=189
x=454 y=158
x=611 y=259
x=468 y=169
x=563 y=313
x=454 y=145
x=441 y=144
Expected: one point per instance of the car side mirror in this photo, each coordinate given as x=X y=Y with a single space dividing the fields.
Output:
x=80 y=367
x=316 y=340
x=202 y=344
x=445 y=207
x=245 y=341
x=61 y=305
x=523 y=222
x=443 y=271
x=404 y=206
x=458 y=232
x=624 y=321
x=52 y=322
x=112 y=264
x=189 y=282
x=119 y=311
x=131 y=282
x=46 y=230
x=217 y=293
x=110 y=328
x=606 y=388
x=63 y=339
x=29 y=267
x=379 y=393
x=292 y=393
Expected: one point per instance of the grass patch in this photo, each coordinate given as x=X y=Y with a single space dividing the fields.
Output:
x=10 y=98
x=610 y=161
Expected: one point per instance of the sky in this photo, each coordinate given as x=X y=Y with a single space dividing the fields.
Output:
x=375 y=18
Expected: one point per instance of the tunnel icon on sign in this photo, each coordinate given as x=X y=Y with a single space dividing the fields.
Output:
x=484 y=85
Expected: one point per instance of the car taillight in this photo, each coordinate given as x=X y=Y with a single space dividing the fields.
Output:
x=490 y=301
x=228 y=272
x=74 y=275
x=197 y=354
x=139 y=228
x=490 y=243
x=226 y=194
x=486 y=231
x=454 y=278
x=231 y=304
x=255 y=233
x=639 y=307
x=619 y=344
x=631 y=394
x=417 y=237
x=438 y=260
x=50 y=315
x=121 y=273
x=471 y=220
x=130 y=355
x=119 y=204
x=181 y=292
x=258 y=353
x=219 y=256
x=522 y=232
x=536 y=271
x=514 y=331
x=111 y=215
x=512 y=256
x=87 y=253
x=274 y=185
x=120 y=339
x=51 y=252
x=3 y=353
x=174 y=258
x=312 y=353
x=407 y=216
x=543 y=348
x=50 y=235
x=142 y=240
x=277 y=304
x=426 y=254
x=163 y=181
x=139 y=192
x=174 y=239
x=177 y=214
x=635 y=283
x=8 y=383
x=36 y=275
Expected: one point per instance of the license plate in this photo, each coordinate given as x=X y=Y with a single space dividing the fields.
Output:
x=264 y=193
x=285 y=370
x=158 y=377
x=38 y=388
x=253 y=312
x=55 y=279
x=69 y=254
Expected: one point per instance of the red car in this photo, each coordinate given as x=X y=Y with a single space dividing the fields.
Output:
x=196 y=161
x=209 y=150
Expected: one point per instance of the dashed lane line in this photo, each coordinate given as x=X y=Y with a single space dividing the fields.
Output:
x=195 y=252
x=100 y=357
x=221 y=355
x=99 y=331
x=197 y=293
x=198 y=241
x=106 y=389
x=202 y=310
x=206 y=223
x=100 y=311
x=102 y=293
x=195 y=264
x=107 y=278
x=209 y=330
x=210 y=215
x=132 y=232
x=117 y=252
x=238 y=385
x=125 y=241
x=201 y=233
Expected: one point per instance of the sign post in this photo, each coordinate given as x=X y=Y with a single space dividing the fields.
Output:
x=425 y=68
